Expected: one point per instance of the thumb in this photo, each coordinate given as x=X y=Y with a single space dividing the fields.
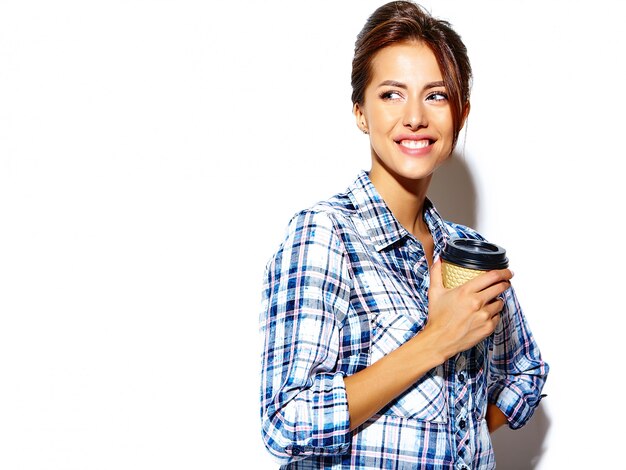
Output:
x=436 y=280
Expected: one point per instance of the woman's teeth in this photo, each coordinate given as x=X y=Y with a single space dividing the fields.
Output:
x=415 y=144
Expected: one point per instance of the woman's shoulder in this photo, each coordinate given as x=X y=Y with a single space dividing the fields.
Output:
x=334 y=210
x=319 y=225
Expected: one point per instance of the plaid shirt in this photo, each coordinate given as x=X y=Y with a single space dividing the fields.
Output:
x=349 y=285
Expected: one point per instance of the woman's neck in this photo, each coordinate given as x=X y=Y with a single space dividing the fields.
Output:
x=405 y=198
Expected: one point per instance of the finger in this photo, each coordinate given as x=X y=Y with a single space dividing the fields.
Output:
x=436 y=279
x=494 y=321
x=493 y=291
x=489 y=278
x=494 y=307
x=490 y=324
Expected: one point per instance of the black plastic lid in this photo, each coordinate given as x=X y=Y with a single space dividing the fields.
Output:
x=474 y=254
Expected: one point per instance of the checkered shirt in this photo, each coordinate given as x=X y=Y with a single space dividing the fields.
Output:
x=347 y=286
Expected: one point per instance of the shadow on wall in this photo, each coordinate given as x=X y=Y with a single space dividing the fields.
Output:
x=523 y=448
x=453 y=192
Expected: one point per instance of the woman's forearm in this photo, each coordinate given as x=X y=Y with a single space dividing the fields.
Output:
x=457 y=320
x=372 y=388
x=495 y=417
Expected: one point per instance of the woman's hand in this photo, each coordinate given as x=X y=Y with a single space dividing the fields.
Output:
x=457 y=320
x=460 y=318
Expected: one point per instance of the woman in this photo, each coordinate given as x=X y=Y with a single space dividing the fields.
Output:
x=369 y=362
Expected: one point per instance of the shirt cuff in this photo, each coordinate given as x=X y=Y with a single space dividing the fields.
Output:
x=328 y=434
x=510 y=399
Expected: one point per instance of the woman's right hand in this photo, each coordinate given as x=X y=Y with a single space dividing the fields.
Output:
x=460 y=318
x=457 y=320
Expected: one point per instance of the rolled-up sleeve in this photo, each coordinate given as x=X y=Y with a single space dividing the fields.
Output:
x=517 y=370
x=304 y=408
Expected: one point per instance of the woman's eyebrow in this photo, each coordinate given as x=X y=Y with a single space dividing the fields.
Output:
x=397 y=84
x=393 y=83
x=434 y=85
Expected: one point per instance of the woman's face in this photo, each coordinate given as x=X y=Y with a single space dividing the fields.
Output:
x=406 y=112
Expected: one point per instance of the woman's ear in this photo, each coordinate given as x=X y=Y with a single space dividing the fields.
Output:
x=361 y=122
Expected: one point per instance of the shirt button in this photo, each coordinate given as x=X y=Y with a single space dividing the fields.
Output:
x=462 y=377
x=462 y=424
x=296 y=450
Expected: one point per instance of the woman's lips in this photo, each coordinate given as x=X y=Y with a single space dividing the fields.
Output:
x=415 y=145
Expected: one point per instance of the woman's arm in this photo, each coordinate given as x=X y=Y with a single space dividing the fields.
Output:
x=304 y=408
x=308 y=408
x=517 y=370
x=458 y=319
x=495 y=418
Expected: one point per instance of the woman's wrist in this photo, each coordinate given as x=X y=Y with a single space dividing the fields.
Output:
x=432 y=345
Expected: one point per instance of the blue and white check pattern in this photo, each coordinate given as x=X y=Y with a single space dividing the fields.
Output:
x=347 y=286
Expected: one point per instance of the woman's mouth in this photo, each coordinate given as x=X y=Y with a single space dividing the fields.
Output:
x=415 y=144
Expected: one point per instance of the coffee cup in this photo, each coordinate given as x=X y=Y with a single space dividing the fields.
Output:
x=463 y=259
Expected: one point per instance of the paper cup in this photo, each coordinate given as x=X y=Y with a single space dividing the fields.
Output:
x=464 y=258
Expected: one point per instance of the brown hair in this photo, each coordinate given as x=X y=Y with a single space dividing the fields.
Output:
x=405 y=21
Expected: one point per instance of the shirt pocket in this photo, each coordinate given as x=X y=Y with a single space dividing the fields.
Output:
x=425 y=400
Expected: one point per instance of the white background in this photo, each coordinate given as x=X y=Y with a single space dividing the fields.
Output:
x=152 y=152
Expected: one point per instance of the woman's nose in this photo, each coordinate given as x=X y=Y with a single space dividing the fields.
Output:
x=414 y=116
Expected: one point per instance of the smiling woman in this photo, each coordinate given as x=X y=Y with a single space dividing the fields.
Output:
x=368 y=361
x=406 y=111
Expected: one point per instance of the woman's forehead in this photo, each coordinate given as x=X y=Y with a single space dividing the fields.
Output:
x=409 y=62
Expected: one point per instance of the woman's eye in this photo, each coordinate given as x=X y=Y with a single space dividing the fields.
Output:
x=390 y=95
x=438 y=96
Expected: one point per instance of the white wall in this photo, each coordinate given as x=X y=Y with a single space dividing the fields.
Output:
x=151 y=153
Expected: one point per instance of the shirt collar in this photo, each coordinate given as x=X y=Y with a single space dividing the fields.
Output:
x=383 y=228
